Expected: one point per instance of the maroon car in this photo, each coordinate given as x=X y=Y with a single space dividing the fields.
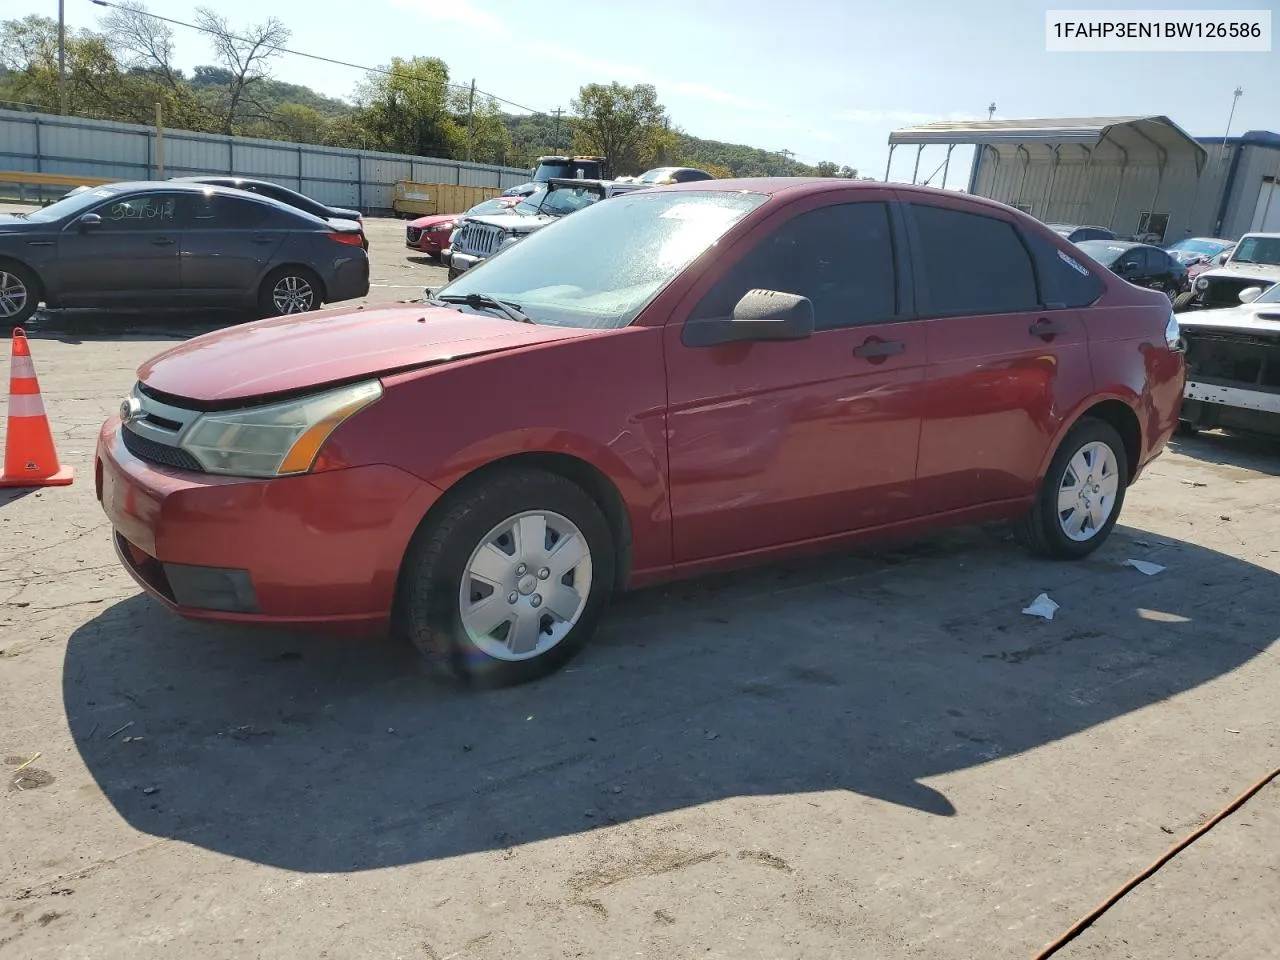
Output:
x=669 y=382
x=430 y=234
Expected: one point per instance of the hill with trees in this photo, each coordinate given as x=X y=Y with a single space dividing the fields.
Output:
x=121 y=70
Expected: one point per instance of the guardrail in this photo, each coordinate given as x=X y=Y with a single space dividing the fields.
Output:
x=25 y=178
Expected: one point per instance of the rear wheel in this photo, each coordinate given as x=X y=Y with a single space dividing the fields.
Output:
x=1083 y=491
x=290 y=290
x=19 y=294
x=509 y=583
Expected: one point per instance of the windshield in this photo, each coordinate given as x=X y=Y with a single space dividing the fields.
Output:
x=489 y=206
x=71 y=205
x=559 y=202
x=1105 y=252
x=624 y=252
x=653 y=176
x=1210 y=248
x=528 y=207
x=1257 y=249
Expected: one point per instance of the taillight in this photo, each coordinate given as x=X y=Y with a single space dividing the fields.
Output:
x=350 y=239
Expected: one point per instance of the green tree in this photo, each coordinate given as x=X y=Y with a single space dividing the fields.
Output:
x=407 y=109
x=622 y=123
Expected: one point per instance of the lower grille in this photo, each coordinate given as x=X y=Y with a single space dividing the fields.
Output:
x=153 y=452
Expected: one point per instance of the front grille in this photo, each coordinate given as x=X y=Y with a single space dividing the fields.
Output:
x=479 y=240
x=411 y=234
x=1225 y=291
x=153 y=452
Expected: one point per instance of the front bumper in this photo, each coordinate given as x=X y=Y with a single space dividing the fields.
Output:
x=318 y=550
x=462 y=262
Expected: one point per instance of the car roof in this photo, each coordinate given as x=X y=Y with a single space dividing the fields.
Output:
x=1118 y=242
x=190 y=186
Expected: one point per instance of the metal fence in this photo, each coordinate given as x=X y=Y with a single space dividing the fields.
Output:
x=363 y=179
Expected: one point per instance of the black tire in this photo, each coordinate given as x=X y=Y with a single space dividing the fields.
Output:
x=432 y=574
x=1040 y=528
x=1188 y=429
x=454 y=273
x=30 y=284
x=1182 y=302
x=267 y=306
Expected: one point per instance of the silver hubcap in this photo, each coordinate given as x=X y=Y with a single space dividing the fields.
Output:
x=1087 y=495
x=292 y=295
x=13 y=295
x=525 y=585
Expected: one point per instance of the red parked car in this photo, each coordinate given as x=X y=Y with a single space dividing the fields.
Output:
x=430 y=234
x=679 y=380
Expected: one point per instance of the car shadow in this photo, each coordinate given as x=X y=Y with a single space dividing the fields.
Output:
x=1252 y=452
x=82 y=326
x=867 y=672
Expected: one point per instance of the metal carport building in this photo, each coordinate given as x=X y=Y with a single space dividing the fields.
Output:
x=1137 y=176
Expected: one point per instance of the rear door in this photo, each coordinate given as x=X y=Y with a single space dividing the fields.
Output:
x=130 y=257
x=1006 y=362
x=229 y=245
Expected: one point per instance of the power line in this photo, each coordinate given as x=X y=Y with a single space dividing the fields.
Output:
x=315 y=56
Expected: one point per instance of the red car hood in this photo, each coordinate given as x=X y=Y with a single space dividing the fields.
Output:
x=425 y=223
x=295 y=353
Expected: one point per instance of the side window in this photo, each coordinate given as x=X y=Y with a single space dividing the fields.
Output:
x=213 y=211
x=1064 y=279
x=971 y=264
x=1157 y=261
x=840 y=257
x=154 y=211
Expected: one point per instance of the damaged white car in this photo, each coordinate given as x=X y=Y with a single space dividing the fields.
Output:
x=1255 y=262
x=1233 y=365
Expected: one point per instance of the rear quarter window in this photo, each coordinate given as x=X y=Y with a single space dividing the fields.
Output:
x=1064 y=279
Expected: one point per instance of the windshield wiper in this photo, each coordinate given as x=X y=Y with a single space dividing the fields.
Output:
x=479 y=300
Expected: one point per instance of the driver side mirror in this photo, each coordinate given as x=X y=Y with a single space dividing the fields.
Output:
x=759 y=315
x=1129 y=266
x=1250 y=294
x=90 y=221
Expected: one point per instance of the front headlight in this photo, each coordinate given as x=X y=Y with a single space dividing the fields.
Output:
x=1202 y=283
x=1173 y=334
x=275 y=440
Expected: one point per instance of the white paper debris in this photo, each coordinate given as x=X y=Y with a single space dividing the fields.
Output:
x=1144 y=566
x=1041 y=606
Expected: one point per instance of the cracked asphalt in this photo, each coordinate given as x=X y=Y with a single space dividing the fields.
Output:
x=863 y=756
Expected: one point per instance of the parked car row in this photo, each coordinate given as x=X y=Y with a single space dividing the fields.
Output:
x=178 y=243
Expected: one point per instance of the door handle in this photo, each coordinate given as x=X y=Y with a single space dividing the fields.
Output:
x=263 y=240
x=877 y=351
x=161 y=241
x=40 y=243
x=1047 y=329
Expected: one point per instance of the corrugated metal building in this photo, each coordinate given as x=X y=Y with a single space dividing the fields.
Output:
x=1137 y=176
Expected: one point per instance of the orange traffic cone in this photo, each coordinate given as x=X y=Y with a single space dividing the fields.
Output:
x=29 y=457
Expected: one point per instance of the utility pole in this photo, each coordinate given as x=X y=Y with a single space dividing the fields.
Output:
x=62 y=57
x=471 y=118
x=1231 y=116
x=991 y=110
x=555 y=140
x=786 y=155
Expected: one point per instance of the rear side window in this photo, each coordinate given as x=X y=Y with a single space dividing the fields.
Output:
x=1064 y=279
x=970 y=264
x=230 y=213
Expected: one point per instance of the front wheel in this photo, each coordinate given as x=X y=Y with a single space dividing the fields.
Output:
x=508 y=584
x=1081 y=496
x=1182 y=301
x=290 y=290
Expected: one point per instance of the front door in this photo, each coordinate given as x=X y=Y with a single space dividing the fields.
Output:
x=131 y=256
x=1007 y=360
x=782 y=442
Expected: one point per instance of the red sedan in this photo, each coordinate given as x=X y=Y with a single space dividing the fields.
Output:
x=675 y=381
x=430 y=234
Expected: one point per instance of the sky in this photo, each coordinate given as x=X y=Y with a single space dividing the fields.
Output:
x=825 y=79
